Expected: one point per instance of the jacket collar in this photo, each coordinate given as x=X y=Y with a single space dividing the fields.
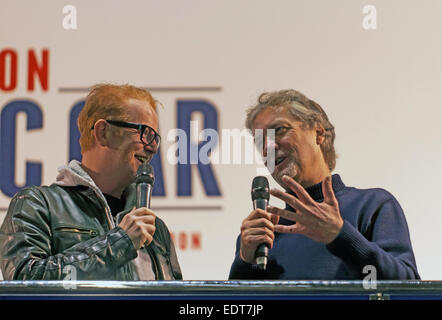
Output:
x=74 y=175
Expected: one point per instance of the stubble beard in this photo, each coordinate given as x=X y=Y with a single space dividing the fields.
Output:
x=291 y=170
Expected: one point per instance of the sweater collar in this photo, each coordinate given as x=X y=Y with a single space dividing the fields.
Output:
x=315 y=191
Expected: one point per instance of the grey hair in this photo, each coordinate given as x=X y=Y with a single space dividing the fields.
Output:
x=303 y=109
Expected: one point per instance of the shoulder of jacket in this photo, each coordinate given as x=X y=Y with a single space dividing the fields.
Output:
x=43 y=192
x=31 y=191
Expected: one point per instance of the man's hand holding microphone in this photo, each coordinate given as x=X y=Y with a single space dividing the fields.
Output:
x=257 y=230
x=319 y=221
x=139 y=224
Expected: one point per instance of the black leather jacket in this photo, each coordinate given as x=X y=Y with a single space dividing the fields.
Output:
x=47 y=229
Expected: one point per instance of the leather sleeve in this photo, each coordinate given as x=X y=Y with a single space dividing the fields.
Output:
x=170 y=256
x=26 y=250
x=176 y=270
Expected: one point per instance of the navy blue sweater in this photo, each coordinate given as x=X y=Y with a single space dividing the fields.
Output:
x=375 y=233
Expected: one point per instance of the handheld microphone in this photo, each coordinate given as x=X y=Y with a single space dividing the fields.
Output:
x=260 y=198
x=144 y=182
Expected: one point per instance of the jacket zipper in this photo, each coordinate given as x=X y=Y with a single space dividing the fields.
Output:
x=84 y=231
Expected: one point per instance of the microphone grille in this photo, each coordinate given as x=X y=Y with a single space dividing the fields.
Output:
x=260 y=188
x=145 y=174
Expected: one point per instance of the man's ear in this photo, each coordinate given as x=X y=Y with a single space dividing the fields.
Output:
x=99 y=132
x=320 y=135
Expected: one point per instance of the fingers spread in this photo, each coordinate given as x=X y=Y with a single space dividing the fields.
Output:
x=289 y=199
x=300 y=192
x=327 y=191
x=289 y=215
x=294 y=228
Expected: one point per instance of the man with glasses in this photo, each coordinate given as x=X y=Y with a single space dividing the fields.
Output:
x=85 y=225
x=327 y=231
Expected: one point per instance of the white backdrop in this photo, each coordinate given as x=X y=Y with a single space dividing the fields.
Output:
x=380 y=87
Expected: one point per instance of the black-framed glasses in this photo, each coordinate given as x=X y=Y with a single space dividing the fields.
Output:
x=147 y=134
